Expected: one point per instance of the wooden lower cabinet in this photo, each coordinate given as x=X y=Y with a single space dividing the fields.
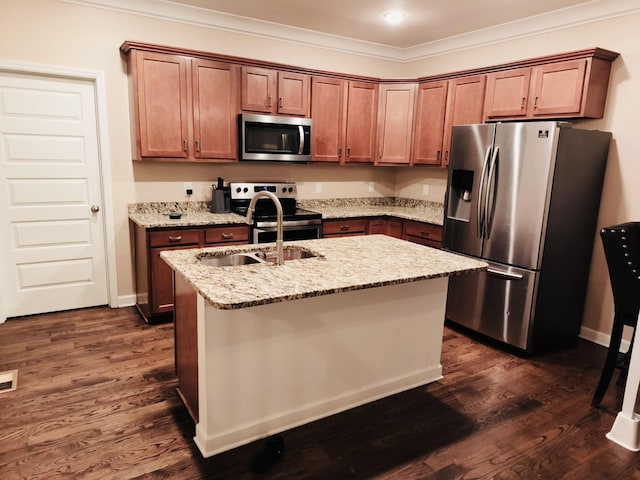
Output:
x=423 y=233
x=344 y=227
x=386 y=226
x=186 y=343
x=410 y=230
x=154 y=278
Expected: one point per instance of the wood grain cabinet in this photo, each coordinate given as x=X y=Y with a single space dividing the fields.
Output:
x=396 y=109
x=344 y=227
x=275 y=92
x=386 y=226
x=439 y=106
x=344 y=116
x=572 y=89
x=423 y=233
x=183 y=108
x=154 y=278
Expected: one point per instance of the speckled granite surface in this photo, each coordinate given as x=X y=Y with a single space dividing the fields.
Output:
x=347 y=263
x=408 y=209
x=156 y=214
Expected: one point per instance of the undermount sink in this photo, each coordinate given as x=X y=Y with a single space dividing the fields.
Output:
x=229 y=260
x=258 y=256
x=288 y=254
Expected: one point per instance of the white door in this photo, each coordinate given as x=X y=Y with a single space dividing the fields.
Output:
x=51 y=228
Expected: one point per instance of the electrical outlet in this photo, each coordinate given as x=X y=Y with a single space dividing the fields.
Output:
x=425 y=189
x=188 y=188
x=371 y=188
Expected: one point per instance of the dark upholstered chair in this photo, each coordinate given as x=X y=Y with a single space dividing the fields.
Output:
x=622 y=250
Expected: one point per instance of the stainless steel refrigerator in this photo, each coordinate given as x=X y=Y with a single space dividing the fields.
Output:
x=523 y=197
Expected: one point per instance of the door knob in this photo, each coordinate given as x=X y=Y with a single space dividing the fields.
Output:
x=95 y=208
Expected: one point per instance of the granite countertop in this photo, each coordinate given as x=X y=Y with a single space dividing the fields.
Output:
x=408 y=209
x=156 y=214
x=344 y=264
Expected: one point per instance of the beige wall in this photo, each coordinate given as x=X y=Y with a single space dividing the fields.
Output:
x=50 y=32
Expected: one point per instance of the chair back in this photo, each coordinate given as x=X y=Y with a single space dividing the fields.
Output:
x=622 y=250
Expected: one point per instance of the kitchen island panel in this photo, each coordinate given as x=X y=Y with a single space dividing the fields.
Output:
x=268 y=368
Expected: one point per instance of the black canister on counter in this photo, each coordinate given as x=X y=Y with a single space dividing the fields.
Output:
x=220 y=201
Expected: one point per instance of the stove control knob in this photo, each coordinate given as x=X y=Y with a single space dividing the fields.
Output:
x=238 y=189
x=284 y=189
x=290 y=189
x=245 y=189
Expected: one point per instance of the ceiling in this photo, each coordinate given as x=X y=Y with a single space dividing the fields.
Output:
x=427 y=21
x=433 y=27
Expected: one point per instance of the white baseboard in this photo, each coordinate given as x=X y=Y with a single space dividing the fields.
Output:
x=602 y=338
x=125 y=301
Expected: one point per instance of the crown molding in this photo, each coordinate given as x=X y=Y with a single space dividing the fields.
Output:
x=590 y=12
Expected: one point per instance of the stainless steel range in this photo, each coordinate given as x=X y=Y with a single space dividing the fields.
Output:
x=298 y=224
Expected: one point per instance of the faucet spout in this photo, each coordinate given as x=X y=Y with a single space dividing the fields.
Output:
x=276 y=201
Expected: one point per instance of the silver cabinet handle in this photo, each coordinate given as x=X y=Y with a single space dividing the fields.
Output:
x=95 y=208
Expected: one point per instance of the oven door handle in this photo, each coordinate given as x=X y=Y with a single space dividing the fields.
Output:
x=301 y=133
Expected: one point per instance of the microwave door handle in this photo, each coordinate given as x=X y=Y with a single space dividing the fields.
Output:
x=301 y=133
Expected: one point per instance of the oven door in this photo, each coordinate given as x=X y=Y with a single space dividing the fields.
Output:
x=298 y=232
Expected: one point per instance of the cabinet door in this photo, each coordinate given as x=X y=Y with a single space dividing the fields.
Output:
x=328 y=110
x=395 y=123
x=429 y=125
x=293 y=93
x=161 y=90
x=557 y=88
x=508 y=93
x=423 y=233
x=344 y=227
x=215 y=106
x=362 y=109
x=162 y=282
x=377 y=226
x=258 y=89
x=465 y=104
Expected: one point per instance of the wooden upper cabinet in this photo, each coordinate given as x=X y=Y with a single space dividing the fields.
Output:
x=215 y=106
x=557 y=88
x=293 y=93
x=183 y=108
x=395 y=123
x=508 y=92
x=160 y=105
x=362 y=114
x=465 y=105
x=569 y=89
x=344 y=120
x=428 y=134
x=328 y=110
x=273 y=92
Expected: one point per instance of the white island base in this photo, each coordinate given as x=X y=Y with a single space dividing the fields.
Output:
x=268 y=368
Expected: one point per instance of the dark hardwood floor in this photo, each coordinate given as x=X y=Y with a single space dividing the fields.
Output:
x=96 y=399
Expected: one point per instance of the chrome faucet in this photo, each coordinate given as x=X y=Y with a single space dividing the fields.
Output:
x=276 y=201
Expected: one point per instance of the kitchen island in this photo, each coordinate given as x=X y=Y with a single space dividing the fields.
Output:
x=262 y=348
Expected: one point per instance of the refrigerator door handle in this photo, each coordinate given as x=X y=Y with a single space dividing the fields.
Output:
x=503 y=274
x=481 y=199
x=488 y=206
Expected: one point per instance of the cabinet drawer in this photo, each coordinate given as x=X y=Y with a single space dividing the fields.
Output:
x=171 y=238
x=226 y=234
x=425 y=231
x=344 y=227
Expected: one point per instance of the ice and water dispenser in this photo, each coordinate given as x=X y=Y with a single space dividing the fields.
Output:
x=460 y=194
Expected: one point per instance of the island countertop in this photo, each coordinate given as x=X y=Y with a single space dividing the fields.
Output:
x=343 y=264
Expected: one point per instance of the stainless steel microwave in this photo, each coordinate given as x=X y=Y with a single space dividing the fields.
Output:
x=274 y=138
